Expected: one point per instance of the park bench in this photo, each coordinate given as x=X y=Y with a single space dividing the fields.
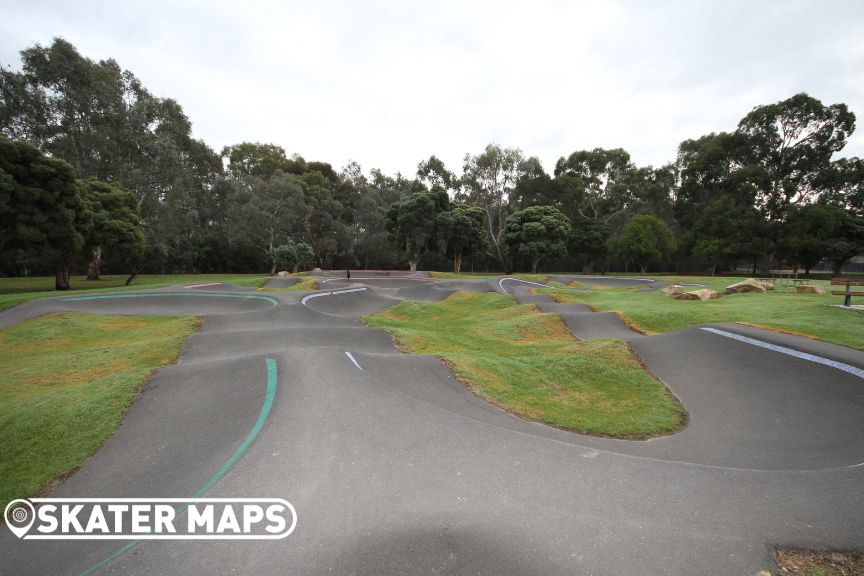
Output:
x=848 y=293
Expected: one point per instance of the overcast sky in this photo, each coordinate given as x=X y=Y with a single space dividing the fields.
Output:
x=387 y=84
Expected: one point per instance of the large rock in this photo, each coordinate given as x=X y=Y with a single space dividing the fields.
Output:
x=706 y=294
x=672 y=289
x=810 y=289
x=748 y=285
x=703 y=294
x=284 y=273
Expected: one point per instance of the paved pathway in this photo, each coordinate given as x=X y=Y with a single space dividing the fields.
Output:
x=394 y=468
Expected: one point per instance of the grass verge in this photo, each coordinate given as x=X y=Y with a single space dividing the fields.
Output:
x=14 y=291
x=528 y=363
x=782 y=309
x=66 y=380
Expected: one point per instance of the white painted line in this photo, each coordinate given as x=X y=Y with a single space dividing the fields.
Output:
x=501 y=284
x=351 y=357
x=316 y=295
x=861 y=465
x=202 y=285
x=854 y=370
x=333 y=293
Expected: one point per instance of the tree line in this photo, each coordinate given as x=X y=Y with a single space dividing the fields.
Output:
x=96 y=173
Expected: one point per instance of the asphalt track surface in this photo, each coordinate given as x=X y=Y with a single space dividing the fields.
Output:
x=395 y=468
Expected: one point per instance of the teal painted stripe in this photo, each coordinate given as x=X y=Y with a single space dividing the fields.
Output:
x=269 y=396
x=272 y=301
x=262 y=417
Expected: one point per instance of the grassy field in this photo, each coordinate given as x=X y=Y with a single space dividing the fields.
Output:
x=65 y=382
x=14 y=291
x=528 y=363
x=781 y=309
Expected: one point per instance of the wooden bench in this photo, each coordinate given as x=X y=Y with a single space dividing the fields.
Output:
x=848 y=293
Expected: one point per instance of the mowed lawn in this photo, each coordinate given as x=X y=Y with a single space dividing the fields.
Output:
x=14 y=291
x=66 y=381
x=527 y=362
x=782 y=309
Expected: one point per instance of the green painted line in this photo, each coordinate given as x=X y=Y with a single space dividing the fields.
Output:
x=193 y=294
x=269 y=396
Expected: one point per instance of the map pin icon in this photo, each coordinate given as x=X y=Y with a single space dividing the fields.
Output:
x=19 y=515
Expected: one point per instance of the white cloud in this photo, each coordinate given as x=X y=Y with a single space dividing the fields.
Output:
x=390 y=83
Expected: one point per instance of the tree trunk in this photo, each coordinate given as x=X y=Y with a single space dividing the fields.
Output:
x=95 y=268
x=534 y=262
x=643 y=268
x=61 y=280
x=837 y=267
x=457 y=262
x=273 y=268
x=413 y=265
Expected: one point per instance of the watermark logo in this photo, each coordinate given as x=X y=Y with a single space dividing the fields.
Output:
x=150 y=518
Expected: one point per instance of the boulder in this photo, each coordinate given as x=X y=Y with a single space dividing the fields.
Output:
x=748 y=285
x=284 y=273
x=706 y=294
x=672 y=289
x=703 y=294
x=810 y=289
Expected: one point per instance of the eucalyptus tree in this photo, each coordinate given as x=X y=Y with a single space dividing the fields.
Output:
x=412 y=223
x=488 y=181
x=254 y=159
x=792 y=142
x=600 y=182
x=265 y=213
x=433 y=172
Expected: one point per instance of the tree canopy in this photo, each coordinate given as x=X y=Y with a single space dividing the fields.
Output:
x=97 y=172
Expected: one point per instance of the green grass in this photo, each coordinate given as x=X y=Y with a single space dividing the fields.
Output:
x=528 y=363
x=14 y=291
x=781 y=309
x=66 y=381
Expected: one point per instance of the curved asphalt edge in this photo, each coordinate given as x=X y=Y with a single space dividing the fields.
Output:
x=269 y=396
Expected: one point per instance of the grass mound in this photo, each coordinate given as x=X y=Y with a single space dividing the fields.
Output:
x=65 y=382
x=528 y=363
